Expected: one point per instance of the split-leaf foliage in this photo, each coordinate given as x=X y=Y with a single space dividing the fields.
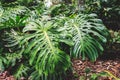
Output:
x=33 y=39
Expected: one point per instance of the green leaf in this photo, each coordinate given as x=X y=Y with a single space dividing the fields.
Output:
x=89 y=34
x=43 y=49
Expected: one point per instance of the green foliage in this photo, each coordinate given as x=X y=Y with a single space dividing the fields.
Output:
x=14 y=22
x=2 y=61
x=116 y=37
x=12 y=59
x=43 y=48
x=14 y=2
x=21 y=71
x=59 y=76
x=96 y=76
x=93 y=76
x=9 y=18
x=25 y=1
x=62 y=9
x=107 y=10
x=88 y=35
x=9 y=60
x=35 y=46
x=12 y=38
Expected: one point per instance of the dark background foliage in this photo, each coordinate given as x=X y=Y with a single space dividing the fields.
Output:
x=107 y=10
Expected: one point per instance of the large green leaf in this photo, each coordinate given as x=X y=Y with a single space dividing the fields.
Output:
x=88 y=35
x=43 y=48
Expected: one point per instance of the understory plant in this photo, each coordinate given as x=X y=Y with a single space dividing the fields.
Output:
x=107 y=10
x=35 y=46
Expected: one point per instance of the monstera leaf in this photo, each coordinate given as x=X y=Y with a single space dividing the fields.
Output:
x=88 y=35
x=43 y=48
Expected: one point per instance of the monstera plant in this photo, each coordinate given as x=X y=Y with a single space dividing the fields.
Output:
x=40 y=46
x=40 y=43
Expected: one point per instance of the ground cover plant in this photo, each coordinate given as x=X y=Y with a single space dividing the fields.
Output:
x=39 y=38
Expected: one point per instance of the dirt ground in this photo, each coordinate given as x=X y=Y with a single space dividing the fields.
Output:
x=109 y=62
